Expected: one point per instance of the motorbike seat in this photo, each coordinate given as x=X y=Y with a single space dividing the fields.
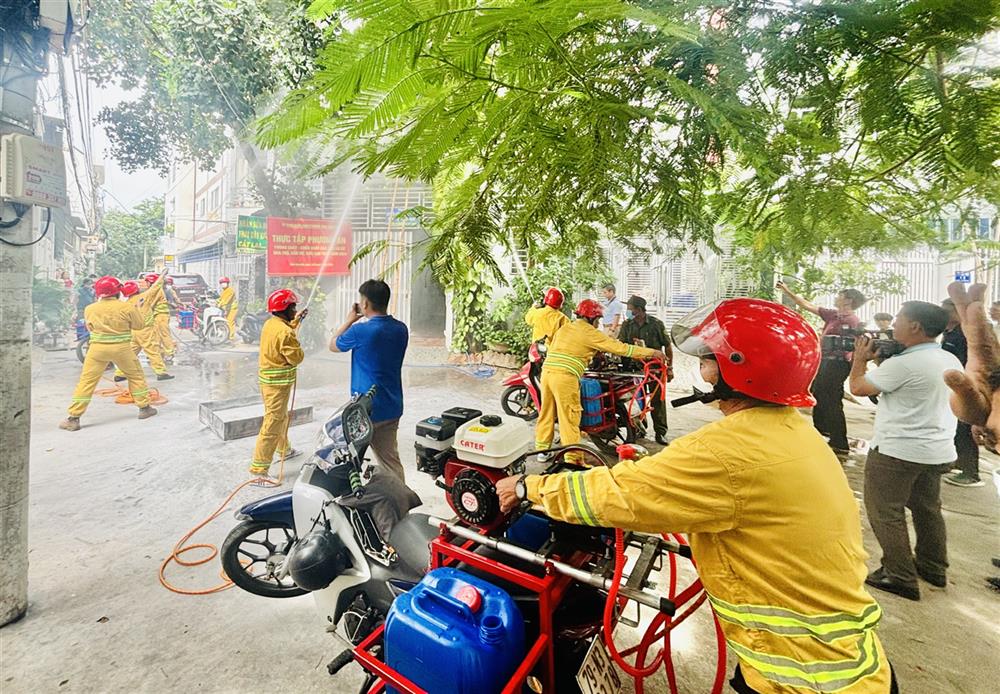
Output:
x=410 y=538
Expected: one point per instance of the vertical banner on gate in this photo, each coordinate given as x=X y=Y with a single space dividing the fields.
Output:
x=302 y=247
x=251 y=234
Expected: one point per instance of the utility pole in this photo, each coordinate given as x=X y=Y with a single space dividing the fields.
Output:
x=17 y=112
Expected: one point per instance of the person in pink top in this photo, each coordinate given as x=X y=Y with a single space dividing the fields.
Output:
x=828 y=388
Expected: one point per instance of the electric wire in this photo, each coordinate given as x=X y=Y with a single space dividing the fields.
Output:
x=48 y=222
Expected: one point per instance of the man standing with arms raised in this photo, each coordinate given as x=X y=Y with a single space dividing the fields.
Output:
x=377 y=346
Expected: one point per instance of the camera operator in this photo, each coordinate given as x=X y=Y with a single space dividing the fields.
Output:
x=912 y=446
x=828 y=388
x=953 y=341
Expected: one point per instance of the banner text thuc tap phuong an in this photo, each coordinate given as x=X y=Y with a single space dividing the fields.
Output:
x=302 y=247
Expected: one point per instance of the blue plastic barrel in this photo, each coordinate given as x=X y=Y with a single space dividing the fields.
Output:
x=81 y=330
x=185 y=319
x=590 y=399
x=454 y=633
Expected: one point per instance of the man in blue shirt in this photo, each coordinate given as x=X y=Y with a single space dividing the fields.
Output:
x=612 y=310
x=377 y=346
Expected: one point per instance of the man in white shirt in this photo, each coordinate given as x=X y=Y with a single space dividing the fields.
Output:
x=913 y=445
x=612 y=317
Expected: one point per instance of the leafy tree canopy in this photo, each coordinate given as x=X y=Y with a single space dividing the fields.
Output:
x=201 y=69
x=131 y=239
x=547 y=124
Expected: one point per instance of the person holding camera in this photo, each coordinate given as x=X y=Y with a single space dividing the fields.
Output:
x=912 y=446
x=377 y=346
x=828 y=388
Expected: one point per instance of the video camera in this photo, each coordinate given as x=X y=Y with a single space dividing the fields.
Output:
x=839 y=346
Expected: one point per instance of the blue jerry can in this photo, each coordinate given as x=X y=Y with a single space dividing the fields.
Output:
x=81 y=330
x=591 y=401
x=454 y=634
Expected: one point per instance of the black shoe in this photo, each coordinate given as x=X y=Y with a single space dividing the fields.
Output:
x=119 y=379
x=662 y=440
x=996 y=562
x=937 y=581
x=163 y=377
x=994 y=582
x=877 y=579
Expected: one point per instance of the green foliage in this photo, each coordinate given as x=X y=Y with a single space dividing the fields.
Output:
x=504 y=322
x=548 y=124
x=856 y=272
x=50 y=303
x=131 y=239
x=201 y=68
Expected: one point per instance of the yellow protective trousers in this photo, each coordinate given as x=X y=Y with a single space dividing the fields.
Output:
x=161 y=330
x=273 y=435
x=99 y=355
x=231 y=319
x=147 y=341
x=560 y=398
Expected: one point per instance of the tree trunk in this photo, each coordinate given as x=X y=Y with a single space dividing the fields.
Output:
x=264 y=182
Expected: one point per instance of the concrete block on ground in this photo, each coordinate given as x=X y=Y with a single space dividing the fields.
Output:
x=237 y=418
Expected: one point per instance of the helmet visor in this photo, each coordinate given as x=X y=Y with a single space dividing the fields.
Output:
x=699 y=334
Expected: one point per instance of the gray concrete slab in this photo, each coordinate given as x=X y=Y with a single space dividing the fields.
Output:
x=108 y=503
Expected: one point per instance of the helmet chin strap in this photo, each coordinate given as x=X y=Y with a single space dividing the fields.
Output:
x=720 y=391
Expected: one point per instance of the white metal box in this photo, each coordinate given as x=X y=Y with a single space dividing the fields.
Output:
x=495 y=446
x=32 y=172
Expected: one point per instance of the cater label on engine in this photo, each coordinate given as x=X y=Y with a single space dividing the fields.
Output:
x=474 y=445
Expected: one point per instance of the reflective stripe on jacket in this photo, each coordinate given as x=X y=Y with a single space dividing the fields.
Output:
x=576 y=343
x=111 y=321
x=280 y=353
x=544 y=322
x=776 y=532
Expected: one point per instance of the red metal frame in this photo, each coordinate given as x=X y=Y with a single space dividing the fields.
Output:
x=551 y=589
x=617 y=384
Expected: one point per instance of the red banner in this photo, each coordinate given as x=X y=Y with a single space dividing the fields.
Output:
x=302 y=247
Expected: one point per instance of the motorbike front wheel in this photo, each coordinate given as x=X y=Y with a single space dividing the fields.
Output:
x=516 y=401
x=217 y=333
x=253 y=552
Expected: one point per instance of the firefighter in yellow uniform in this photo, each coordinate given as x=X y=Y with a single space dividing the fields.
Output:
x=546 y=319
x=773 y=524
x=144 y=340
x=159 y=310
x=280 y=355
x=110 y=323
x=570 y=351
x=227 y=302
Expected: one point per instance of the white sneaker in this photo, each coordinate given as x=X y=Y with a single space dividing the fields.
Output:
x=291 y=453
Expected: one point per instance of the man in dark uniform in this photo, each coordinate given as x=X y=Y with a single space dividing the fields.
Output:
x=645 y=330
x=953 y=340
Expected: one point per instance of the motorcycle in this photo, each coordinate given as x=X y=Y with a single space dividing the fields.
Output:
x=250 y=327
x=210 y=323
x=370 y=568
x=522 y=397
x=311 y=334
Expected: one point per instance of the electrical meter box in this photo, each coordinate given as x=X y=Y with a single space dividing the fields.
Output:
x=32 y=172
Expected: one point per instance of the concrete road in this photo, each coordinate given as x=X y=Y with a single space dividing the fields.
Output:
x=109 y=502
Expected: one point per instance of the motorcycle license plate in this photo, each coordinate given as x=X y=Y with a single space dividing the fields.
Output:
x=597 y=674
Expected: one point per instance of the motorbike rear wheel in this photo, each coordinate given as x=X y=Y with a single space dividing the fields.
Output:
x=81 y=349
x=217 y=333
x=516 y=401
x=624 y=432
x=253 y=552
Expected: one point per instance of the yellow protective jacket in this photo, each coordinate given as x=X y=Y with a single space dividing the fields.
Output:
x=544 y=322
x=776 y=533
x=576 y=343
x=226 y=299
x=149 y=302
x=111 y=321
x=280 y=353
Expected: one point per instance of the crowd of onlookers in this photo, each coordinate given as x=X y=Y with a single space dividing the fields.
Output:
x=917 y=440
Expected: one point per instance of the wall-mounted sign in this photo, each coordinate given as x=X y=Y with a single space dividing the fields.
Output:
x=307 y=247
x=251 y=234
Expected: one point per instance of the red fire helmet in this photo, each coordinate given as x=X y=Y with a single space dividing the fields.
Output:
x=553 y=298
x=281 y=299
x=107 y=286
x=589 y=309
x=765 y=350
x=223 y=280
x=129 y=288
x=151 y=277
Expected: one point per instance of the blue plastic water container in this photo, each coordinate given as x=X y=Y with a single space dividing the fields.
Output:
x=185 y=319
x=81 y=330
x=530 y=531
x=454 y=634
x=590 y=399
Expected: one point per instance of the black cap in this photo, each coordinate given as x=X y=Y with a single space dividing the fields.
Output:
x=637 y=302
